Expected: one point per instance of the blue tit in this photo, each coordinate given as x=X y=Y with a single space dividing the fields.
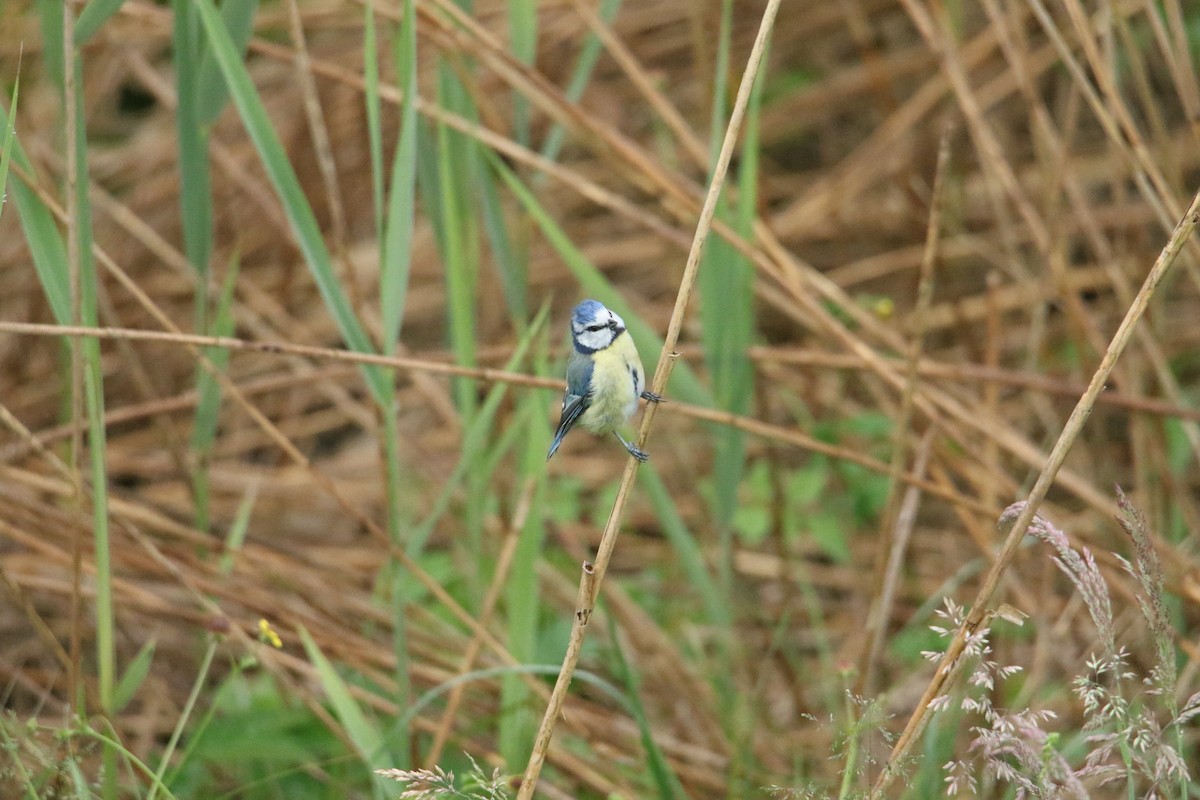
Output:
x=604 y=376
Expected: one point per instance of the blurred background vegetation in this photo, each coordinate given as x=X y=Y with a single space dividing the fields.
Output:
x=266 y=570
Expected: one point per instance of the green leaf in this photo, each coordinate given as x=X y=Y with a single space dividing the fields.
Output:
x=806 y=484
x=363 y=734
x=830 y=535
x=94 y=14
x=287 y=186
x=580 y=76
x=211 y=91
x=397 y=240
x=195 y=189
x=135 y=674
x=373 y=102
x=522 y=33
x=237 y=531
x=10 y=135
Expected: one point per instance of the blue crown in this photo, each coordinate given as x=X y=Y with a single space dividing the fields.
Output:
x=586 y=311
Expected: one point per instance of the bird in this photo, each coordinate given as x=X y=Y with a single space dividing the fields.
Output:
x=604 y=377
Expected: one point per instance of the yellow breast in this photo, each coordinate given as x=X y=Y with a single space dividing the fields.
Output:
x=614 y=390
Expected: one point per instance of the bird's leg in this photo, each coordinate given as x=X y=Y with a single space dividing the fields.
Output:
x=640 y=455
x=652 y=397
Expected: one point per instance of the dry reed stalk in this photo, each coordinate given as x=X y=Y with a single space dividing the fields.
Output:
x=991 y=389
x=980 y=606
x=593 y=573
x=876 y=625
x=684 y=135
x=1085 y=217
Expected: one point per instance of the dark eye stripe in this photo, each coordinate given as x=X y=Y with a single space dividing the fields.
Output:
x=595 y=327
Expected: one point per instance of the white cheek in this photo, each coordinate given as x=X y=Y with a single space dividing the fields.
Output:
x=595 y=340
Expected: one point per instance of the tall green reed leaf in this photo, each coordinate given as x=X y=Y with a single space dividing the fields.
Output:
x=396 y=254
x=10 y=135
x=195 y=186
x=522 y=595
x=208 y=404
x=93 y=382
x=522 y=34
x=211 y=91
x=363 y=733
x=456 y=157
x=287 y=187
x=42 y=236
x=50 y=18
x=196 y=211
x=511 y=258
x=374 y=108
x=588 y=55
x=726 y=284
x=395 y=265
x=94 y=14
x=665 y=780
x=55 y=32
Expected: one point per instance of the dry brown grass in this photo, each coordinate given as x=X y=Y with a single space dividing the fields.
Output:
x=1062 y=186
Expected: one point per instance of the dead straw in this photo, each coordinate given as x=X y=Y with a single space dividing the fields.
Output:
x=1083 y=409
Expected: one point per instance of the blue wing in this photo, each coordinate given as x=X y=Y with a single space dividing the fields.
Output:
x=579 y=375
x=576 y=400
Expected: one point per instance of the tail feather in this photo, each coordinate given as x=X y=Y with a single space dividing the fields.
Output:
x=572 y=409
x=558 y=437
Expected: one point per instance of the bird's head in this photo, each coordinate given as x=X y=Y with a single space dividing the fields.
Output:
x=594 y=327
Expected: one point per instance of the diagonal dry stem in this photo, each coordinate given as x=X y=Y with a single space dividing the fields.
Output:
x=881 y=607
x=593 y=573
x=1074 y=425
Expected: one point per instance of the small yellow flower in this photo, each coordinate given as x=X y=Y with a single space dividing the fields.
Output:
x=267 y=634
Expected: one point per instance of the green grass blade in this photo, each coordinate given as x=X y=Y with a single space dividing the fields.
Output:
x=208 y=406
x=511 y=262
x=94 y=14
x=211 y=90
x=363 y=734
x=720 y=82
x=10 y=136
x=687 y=550
x=135 y=673
x=665 y=780
x=236 y=536
x=42 y=236
x=50 y=16
x=522 y=593
x=522 y=34
x=588 y=55
x=374 y=105
x=726 y=284
x=287 y=186
x=456 y=157
x=397 y=240
x=93 y=388
x=195 y=190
